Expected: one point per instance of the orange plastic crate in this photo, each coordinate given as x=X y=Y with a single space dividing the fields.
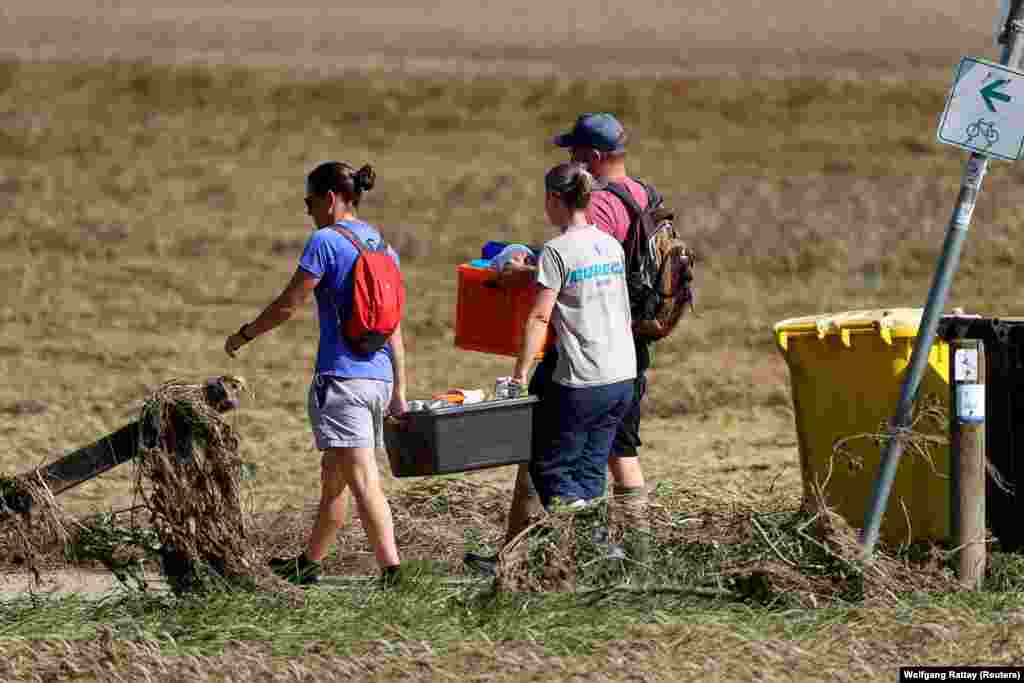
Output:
x=489 y=317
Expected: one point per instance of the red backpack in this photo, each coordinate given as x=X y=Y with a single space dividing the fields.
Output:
x=378 y=296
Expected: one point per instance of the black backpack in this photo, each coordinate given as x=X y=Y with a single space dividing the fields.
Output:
x=659 y=265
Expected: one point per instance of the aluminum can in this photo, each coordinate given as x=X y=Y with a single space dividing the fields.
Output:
x=515 y=389
x=501 y=388
x=416 y=406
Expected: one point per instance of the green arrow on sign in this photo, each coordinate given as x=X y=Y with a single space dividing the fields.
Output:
x=991 y=92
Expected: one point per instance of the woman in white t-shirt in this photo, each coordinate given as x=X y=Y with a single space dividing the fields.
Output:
x=581 y=291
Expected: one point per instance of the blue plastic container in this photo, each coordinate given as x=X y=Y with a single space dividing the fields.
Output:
x=492 y=249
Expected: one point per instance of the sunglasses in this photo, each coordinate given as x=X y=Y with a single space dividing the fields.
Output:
x=583 y=155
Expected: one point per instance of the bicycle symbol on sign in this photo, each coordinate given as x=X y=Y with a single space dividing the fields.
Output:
x=984 y=129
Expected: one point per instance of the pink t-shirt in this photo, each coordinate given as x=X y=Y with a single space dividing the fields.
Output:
x=608 y=213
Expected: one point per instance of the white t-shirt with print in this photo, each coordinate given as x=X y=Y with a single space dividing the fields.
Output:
x=587 y=268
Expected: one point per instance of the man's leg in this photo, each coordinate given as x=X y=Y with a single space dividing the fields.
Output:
x=629 y=504
x=624 y=464
x=626 y=470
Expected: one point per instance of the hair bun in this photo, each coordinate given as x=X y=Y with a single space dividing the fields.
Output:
x=364 y=178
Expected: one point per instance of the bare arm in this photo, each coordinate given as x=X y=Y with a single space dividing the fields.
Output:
x=398 y=404
x=534 y=331
x=295 y=295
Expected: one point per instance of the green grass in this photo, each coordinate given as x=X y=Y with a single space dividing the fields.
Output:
x=448 y=621
x=429 y=611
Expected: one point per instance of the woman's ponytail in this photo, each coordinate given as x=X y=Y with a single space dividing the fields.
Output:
x=573 y=184
x=341 y=178
x=364 y=179
x=581 y=189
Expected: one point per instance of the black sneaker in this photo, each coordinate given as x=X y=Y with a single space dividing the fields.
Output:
x=481 y=564
x=300 y=570
x=391 y=577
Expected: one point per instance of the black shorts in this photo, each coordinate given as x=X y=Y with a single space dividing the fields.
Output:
x=627 y=437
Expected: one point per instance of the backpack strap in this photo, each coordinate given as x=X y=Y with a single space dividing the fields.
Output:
x=351 y=236
x=634 y=211
x=653 y=198
x=626 y=197
x=358 y=243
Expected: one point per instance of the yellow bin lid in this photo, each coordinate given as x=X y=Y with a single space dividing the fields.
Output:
x=889 y=323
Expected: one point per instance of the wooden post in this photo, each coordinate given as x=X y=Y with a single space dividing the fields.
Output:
x=967 y=458
x=1012 y=39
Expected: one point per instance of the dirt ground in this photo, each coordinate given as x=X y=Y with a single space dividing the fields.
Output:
x=873 y=38
x=65 y=582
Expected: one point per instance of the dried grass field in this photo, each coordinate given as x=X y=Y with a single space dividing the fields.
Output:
x=152 y=210
x=152 y=203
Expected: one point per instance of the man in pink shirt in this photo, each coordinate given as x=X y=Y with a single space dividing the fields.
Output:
x=599 y=142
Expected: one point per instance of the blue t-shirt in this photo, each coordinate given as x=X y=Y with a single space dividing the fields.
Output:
x=329 y=256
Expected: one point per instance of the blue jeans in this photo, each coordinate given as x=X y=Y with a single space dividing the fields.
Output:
x=570 y=460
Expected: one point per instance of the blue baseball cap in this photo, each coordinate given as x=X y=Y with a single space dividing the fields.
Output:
x=602 y=132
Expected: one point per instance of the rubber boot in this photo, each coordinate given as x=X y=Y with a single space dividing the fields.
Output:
x=629 y=509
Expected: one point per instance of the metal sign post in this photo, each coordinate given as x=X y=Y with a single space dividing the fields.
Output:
x=991 y=95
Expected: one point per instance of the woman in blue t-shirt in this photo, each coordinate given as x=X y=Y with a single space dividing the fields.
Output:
x=350 y=393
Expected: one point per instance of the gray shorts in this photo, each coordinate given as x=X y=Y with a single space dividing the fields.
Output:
x=348 y=413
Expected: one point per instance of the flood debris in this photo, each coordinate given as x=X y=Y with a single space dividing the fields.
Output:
x=187 y=483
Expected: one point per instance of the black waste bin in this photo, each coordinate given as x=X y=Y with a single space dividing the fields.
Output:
x=1004 y=418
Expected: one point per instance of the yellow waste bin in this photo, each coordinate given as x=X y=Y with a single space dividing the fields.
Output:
x=846 y=371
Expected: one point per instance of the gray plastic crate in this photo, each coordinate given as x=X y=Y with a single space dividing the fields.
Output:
x=461 y=438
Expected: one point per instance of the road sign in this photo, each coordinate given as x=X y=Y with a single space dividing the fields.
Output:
x=985 y=110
